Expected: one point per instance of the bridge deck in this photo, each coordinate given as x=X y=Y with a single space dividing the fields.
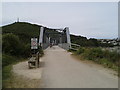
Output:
x=61 y=70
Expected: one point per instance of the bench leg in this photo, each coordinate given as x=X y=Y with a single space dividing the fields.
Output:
x=29 y=65
x=36 y=64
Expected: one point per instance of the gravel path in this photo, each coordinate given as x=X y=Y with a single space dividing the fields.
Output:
x=23 y=70
x=23 y=77
x=61 y=70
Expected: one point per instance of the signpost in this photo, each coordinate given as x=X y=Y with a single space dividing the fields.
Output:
x=34 y=60
x=34 y=44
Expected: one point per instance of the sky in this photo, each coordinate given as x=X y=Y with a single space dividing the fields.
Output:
x=90 y=19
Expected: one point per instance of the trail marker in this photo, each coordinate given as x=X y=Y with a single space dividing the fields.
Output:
x=34 y=44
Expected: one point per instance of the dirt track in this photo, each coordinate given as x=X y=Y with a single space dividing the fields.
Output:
x=61 y=70
x=24 y=77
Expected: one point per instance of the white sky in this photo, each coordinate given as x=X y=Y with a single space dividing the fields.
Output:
x=90 y=19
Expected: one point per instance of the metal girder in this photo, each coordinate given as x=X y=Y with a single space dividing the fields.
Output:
x=68 y=36
x=41 y=35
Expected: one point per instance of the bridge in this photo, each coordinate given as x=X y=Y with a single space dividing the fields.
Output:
x=62 y=70
x=60 y=37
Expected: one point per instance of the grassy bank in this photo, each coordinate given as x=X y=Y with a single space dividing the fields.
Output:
x=9 y=79
x=7 y=62
x=16 y=39
x=12 y=80
x=104 y=57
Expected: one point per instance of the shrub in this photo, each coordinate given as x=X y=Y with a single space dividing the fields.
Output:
x=103 y=61
x=7 y=60
x=105 y=57
x=92 y=53
x=11 y=44
x=113 y=56
x=96 y=52
x=86 y=54
x=41 y=51
x=80 y=50
x=107 y=62
x=26 y=50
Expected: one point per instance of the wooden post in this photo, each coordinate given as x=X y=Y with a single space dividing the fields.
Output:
x=38 y=59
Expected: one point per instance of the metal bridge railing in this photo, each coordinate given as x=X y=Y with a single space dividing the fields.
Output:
x=74 y=46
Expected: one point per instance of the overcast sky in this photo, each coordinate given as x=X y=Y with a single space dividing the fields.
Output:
x=89 y=19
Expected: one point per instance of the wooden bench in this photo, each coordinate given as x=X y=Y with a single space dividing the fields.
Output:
x=34 y=61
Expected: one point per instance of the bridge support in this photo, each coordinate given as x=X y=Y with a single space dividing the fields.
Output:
x=41 y=36
x=66 y=45
x=64 y=38
x=68 y=37
x=43 y=39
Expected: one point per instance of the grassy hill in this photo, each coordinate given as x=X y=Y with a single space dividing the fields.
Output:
x=22 y=29
x=25 y=31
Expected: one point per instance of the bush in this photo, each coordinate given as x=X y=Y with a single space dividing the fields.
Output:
x=107 y=62
x=112 y=56
x=26 y=50
x=11 y=44
x=41 y=51
x=105 y=57
x=80 y=50
x=96 y=53
x=7 y=60
x=93 y=53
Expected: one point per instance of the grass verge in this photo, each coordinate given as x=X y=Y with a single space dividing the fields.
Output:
x=104 y=57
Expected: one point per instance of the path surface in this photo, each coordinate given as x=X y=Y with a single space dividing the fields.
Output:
x=23 y=70
x=23 y=77
x=61 y=70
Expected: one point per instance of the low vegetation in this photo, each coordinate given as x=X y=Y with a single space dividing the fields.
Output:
x=16 y=48
x=84 y=42
x=7 y=75
x=104 y=57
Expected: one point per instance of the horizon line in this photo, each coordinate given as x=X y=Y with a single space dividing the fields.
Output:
x=57 y=28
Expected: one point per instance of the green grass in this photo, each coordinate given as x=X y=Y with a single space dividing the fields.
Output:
x=24 y=30
x=21 y=32
x=6 y=74
x=104 y=57
x=11 y=80
x=7 y=62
